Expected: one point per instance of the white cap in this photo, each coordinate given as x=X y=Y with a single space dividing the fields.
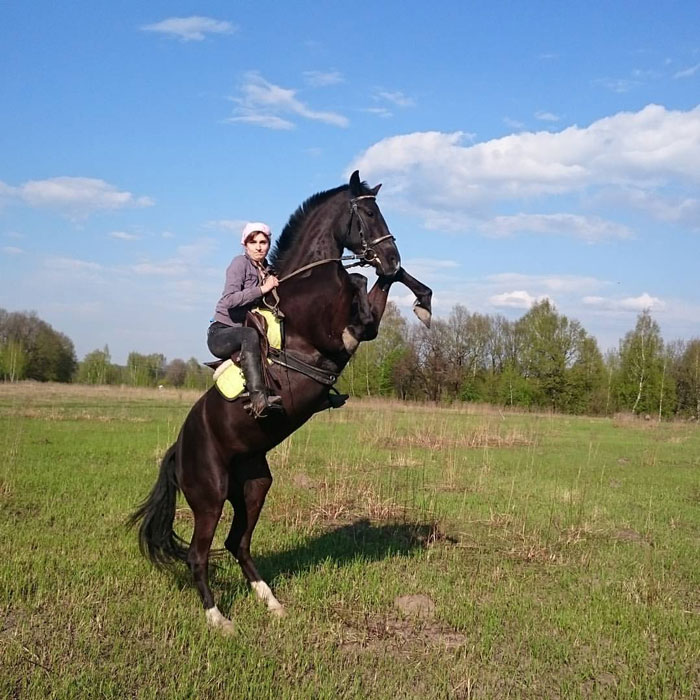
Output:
x=255 y=227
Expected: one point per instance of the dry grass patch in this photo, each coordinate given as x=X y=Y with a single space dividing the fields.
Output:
x=335 y=506
x=47 y=413
x=478 y=437
x=57 y=391
x=409 y=630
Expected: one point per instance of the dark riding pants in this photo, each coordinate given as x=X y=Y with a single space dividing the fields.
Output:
x=224 y=340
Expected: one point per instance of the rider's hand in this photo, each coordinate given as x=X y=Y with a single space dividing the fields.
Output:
x=269 y=284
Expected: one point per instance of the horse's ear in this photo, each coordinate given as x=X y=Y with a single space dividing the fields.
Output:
x=376 y=189
x=355 y=184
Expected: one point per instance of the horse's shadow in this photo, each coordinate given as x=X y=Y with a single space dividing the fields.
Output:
x=342 y=545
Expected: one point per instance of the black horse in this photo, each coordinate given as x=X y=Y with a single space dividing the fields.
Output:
x=220 y=451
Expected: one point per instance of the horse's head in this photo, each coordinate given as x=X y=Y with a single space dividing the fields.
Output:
x=368 y=234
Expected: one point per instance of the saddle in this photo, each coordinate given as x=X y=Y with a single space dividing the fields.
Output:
x=228 y=375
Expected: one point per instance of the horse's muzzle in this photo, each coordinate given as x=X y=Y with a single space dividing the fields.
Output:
x=388 y=267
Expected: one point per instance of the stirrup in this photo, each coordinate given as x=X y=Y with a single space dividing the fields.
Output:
x=261 y=408
x=336 y=399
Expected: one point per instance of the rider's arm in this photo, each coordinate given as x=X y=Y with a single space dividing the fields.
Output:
x=235 y=293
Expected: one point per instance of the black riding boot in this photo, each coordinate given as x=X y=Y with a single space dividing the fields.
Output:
x=260 y=402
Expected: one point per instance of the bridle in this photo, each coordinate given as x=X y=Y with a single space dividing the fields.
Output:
x=367 y=254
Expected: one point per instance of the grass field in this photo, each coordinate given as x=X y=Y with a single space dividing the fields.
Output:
x=420 y=552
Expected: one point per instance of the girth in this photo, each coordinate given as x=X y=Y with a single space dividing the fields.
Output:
x=285 y=359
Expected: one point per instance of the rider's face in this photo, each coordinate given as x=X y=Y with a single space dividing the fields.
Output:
x=257 y=246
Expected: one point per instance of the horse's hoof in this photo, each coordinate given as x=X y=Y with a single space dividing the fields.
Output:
x=423 y=314
x=227 y=628
x=217 y=621
x=279 y=612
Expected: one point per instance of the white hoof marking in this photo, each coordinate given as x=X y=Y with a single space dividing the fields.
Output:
x=262 y=590
x=217 y=621
x=424 y=315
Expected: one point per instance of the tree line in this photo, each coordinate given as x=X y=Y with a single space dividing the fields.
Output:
x=31 y=349
x=541 y=361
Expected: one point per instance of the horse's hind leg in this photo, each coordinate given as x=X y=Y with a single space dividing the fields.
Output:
x=206 y=499
x=249 y=482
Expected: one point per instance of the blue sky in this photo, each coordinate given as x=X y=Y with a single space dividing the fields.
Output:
x=526 y=150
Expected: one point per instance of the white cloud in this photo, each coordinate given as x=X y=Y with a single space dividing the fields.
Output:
x=77 y=309
x=636 y=304
x=382 y=112
x=75 y=196
x=317 y=78
x=267 y=121
x=687 y=72
x=587 y=228
x=233 y=225
x=190 y=28
x=453 y=184
x=72 y=265
x=434 y=262
x=267 y=105
x=430 y=269
x=187 y=259
x=397 y=98
x=667 y=207
x=561 y=284
x=12 y=250
x=124 y=236
x=513 y=123
x=518 y=299
x=619 y=85
x=547 y=116
x=167 y=268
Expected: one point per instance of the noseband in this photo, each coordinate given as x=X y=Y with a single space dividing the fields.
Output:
x=367 y=253
x=365 y=257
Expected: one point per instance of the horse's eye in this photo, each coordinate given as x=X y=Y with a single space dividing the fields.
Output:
x=370 y=214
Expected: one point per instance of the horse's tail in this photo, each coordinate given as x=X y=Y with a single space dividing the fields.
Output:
x=157 y=539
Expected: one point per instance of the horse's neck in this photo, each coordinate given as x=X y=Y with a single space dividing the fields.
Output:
x=320 y=237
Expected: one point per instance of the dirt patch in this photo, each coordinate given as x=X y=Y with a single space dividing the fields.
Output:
x=302 y=481
x=420 y=606
x=8 y=624
x=604 y=683
x=627 y=534
x=413 y=631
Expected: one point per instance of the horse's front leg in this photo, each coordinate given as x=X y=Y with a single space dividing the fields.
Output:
x=363 y=326
x=422 y=307
x=368 y=308
x=379 y=293
x=249 y=483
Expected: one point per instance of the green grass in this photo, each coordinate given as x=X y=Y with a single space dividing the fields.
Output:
x=560 y=554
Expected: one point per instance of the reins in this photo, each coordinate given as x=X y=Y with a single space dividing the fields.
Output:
x=364 y=258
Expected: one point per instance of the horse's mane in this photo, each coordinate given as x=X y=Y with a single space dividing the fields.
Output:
x=290 y=233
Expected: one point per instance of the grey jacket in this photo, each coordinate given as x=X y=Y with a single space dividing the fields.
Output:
x=241 y=291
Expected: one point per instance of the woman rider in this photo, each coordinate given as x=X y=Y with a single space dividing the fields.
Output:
x=248 y=278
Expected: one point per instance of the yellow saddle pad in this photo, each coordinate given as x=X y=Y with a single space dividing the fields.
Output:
x=229 y=377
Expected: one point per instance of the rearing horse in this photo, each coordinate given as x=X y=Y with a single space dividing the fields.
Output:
x=220 y=452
